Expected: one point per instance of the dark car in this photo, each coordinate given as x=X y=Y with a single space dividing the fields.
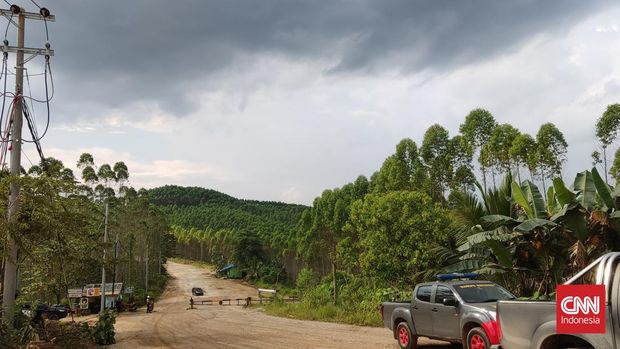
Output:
x=44 y=311
x=197 y=291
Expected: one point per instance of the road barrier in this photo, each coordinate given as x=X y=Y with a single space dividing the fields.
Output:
x=238 y=301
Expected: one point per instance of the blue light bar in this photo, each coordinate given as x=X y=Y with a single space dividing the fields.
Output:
x=455 y=276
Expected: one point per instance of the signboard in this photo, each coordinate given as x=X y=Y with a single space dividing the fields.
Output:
x=75 y=292
x=117 y=288
x=93 y=292
x=84 y=303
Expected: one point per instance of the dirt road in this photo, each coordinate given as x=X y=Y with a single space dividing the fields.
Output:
x=172 y=325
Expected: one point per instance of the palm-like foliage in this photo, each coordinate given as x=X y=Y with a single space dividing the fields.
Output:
x=528 y=243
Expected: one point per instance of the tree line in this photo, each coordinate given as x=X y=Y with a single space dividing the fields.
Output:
x=490 y=199
x=60 y=224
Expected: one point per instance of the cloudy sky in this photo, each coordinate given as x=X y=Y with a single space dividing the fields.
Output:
x=278 y=100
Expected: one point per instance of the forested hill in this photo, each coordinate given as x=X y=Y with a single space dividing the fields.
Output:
x=200 y=208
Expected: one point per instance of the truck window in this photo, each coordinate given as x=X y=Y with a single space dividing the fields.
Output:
x=424 y=293
x=443 y=293
x=482 y=292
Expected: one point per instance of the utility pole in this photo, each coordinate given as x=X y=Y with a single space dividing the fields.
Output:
x=10 y=272
x=105 y=241
x=115 y=263
x=146 y=266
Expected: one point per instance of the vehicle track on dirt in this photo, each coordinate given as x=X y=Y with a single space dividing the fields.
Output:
x=173 y=325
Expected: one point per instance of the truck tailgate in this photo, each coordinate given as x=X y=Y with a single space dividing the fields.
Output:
x=519 y=320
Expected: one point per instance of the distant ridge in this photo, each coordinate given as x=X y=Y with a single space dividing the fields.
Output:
x=200 y=208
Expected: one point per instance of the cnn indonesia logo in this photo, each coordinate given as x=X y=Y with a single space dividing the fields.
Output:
x=580 y=309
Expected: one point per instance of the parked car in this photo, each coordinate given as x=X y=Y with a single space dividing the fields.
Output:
x=197 y=291
x=532 y=325
x=455 y=308
x=43 y=311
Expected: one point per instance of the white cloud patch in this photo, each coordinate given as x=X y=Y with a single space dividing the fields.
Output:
x=291 y=195
x=149 y=174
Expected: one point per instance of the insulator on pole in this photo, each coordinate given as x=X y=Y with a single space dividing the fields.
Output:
x=44 y=12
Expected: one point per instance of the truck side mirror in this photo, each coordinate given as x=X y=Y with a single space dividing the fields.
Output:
x=450 y=302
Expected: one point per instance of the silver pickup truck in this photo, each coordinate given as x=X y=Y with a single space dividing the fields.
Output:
x=451 y=309
x=532 y=325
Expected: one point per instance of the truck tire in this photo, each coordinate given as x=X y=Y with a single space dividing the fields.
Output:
x=405 y=339
x=477 y=339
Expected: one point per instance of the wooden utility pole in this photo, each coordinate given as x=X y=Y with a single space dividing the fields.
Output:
x=10 y=272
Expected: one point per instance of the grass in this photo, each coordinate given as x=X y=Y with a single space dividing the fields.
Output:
x=303 y=310
x=328 y=313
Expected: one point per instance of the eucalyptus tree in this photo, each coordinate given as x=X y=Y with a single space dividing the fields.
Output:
x=523 y=153
x=614 y=171
x=461 y=152
x=437 y=158
x=607 y=127
x=402 y=170
x=500 y=144
x=476 y=131
x=551 y=152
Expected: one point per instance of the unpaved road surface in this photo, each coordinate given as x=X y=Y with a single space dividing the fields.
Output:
x=173 y=325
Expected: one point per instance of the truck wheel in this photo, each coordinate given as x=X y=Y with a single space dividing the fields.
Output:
x=477 y=339
x=405 y=339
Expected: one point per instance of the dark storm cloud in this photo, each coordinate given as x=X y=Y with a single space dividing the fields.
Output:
x=114 y=52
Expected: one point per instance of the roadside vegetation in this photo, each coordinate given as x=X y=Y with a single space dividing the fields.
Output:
x=490 y=199
x=60 y=235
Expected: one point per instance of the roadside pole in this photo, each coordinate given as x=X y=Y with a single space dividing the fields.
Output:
x=10 y=260
x=105 y=241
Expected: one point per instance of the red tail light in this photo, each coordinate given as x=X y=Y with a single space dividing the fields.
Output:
x=492 y=330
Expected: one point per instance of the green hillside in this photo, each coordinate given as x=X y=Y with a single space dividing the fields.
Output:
x=200 y=208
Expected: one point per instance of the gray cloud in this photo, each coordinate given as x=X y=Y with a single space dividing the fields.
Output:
x=112 y=53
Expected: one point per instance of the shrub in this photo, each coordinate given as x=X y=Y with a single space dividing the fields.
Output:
x=306 y=279
x=103 y=332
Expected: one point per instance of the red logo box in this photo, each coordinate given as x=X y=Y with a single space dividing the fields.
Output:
x=580 y=309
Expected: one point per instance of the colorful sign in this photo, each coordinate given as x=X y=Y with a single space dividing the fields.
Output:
x=93 y=292
x=580 y=309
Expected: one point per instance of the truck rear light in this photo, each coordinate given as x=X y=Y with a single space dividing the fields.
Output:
x=381 y=311
x=492 y=331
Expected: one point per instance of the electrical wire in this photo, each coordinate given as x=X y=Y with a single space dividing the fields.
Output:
x=49 y=96
x=4 y=70
x=27 y=110
x=35 y=4
x=8 y=24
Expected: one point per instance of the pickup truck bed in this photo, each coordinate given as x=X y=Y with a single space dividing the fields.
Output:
x=532 y=325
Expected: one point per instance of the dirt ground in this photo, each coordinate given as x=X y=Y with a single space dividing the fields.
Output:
x=173 y=325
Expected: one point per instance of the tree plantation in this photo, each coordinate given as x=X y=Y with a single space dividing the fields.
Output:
x=490 y=199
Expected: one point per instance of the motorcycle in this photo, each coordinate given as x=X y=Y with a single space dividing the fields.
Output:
x=149 y=307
